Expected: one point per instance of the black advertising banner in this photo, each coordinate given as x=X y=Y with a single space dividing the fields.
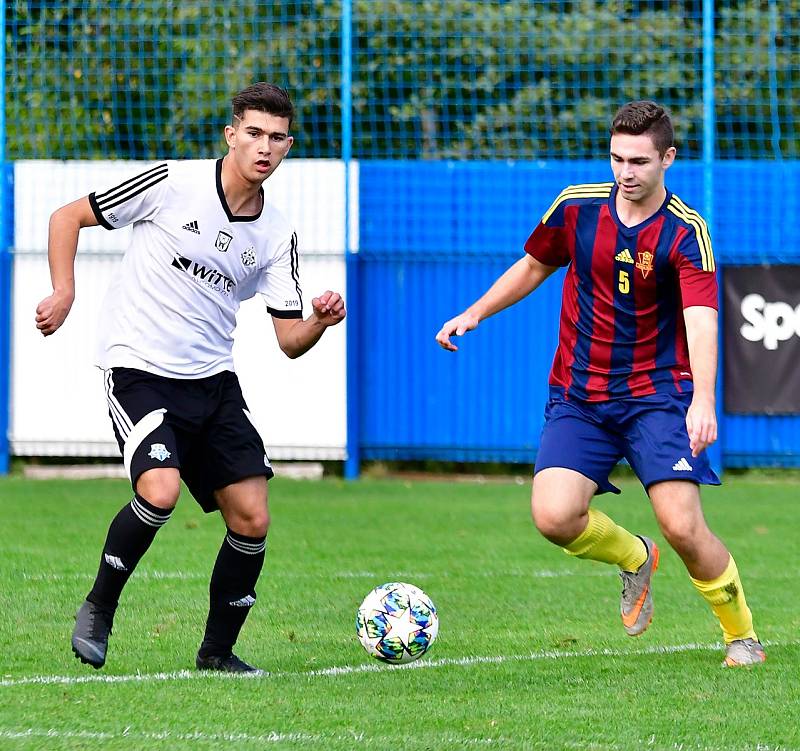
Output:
x=762 y=339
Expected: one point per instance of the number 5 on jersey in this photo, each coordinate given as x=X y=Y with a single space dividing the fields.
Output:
x=624 y=282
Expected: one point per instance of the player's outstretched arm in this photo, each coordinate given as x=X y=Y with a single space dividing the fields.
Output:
x=295 y=337
x=62 y=243
x=701 y=336
x=518 y=281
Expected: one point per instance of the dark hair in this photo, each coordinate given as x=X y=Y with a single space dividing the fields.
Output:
x=645 y=117
x=264 y=97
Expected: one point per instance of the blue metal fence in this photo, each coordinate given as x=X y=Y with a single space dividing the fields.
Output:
x=434 y=235
x=5 y=271
x=434 y=100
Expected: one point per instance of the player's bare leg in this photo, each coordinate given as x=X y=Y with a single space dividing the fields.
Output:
x=560 y=501
x=560 y=504
x=677 y=507
x=129 y=536
x=711 y=567
x=232 y=590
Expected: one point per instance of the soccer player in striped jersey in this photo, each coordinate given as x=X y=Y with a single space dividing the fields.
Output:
x=634 y=373
x=204 y=239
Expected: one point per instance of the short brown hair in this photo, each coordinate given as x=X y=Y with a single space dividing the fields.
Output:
x=645 y=117
x=264 y=97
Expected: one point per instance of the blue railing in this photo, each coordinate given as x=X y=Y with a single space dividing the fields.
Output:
x=517 y=95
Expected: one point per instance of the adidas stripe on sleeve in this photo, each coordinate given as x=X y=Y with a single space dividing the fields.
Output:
x=551 y=240
x=693 y=258
x=134 y=199
x=280 y=283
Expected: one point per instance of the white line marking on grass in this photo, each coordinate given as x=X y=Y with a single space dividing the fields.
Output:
x=169 y=735
x=371 y=667
x=397 y=576
x=178 y=675
x=547 y=654
x=274 y=736
x=78 y=576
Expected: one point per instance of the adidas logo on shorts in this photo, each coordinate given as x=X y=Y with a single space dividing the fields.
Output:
x=681 y=466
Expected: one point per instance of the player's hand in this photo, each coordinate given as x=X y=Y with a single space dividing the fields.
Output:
x=701 y=424
x=329 y=308
x=457 y=326
x=52 y=312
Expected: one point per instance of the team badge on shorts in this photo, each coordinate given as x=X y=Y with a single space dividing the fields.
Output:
x=159 y=451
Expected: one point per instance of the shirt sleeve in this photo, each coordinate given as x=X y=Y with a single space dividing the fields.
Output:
x=280 y=283
x=694 y=261
x=136 y=199
x=548 y=242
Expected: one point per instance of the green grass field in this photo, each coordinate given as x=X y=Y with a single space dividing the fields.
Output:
x=530 y=654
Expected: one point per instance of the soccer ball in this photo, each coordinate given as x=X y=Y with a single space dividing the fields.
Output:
x=397 y=622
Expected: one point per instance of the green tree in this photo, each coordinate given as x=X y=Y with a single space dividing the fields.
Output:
x=432 y=79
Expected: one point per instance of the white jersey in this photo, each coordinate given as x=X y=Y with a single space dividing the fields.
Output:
x=171 y=310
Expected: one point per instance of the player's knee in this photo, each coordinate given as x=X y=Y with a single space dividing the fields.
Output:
x=252 y=523
x=682 y=533
x=165 y=498
x=551 y=521
x=260 y=524
x=162 y=491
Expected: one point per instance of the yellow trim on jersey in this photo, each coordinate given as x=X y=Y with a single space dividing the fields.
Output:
x=699 y=224
x=585 y=190
x=690 y=216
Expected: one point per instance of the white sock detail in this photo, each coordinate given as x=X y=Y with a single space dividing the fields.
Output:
x=248 y=548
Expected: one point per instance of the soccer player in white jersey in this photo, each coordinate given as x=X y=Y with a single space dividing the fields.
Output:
x=203 y=239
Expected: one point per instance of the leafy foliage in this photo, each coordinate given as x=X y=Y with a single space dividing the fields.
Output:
x=432 y=80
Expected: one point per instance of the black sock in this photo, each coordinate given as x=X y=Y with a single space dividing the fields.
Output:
x=129 y=537
x=232 y=591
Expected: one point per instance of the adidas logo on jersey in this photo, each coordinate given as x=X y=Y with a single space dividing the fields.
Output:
x=681 y=466
x=192 y=227
x=624 y=256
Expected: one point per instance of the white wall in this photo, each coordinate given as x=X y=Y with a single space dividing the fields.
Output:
x=57 y=401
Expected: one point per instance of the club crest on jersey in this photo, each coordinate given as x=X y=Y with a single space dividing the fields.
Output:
x=159 y=451
x=249 y=256
x=223 y=241
x=645 y=262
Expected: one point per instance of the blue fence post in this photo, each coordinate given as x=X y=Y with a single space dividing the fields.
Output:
x=5 y=266
x=352 y=466
x=775 y=120
x=709 y=147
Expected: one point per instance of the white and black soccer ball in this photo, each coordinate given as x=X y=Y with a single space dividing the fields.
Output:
x=397 y=623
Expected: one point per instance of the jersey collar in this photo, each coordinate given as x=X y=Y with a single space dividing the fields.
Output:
x=224 y=201
x=612 y=207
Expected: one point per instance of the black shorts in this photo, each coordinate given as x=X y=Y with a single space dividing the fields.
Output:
x=200 y=426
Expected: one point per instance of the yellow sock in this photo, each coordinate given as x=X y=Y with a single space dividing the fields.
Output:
x=605 y=541
x=726 y=597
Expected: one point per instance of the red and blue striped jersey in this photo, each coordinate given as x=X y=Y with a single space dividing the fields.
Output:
x=622 y=331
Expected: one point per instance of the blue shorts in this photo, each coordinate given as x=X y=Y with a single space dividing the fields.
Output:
x=649 y=431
